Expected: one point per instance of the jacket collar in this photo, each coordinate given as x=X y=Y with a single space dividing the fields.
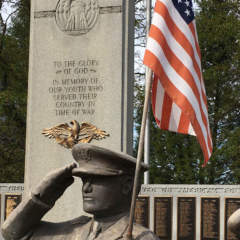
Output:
x=84 y=231
x=116 y=231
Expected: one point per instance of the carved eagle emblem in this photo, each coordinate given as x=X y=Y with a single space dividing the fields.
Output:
x=69 y=135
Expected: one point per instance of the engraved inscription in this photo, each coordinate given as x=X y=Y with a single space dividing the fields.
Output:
x=11 y=188
x=76 y=17
x=232 y=204
x=11 y=202
x=190 y=190
x=210 y=218
x=141 y=211
x=76 y=87
x=163 y=217
x=186 y=218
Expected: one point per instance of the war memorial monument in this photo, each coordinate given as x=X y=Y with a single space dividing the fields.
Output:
x=80 y=91
x=81 y=68
x=78 y=183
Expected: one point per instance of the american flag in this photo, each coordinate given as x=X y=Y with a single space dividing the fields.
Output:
x=178 y=94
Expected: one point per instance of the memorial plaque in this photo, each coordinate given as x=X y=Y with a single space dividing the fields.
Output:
x=231 y=205
x=210 y=218
x=163 y=217
x=11 y=202
x=80 y=68
x=142 y=211
x=186 y=218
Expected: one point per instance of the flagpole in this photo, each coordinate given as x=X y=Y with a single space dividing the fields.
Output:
x=147 y=131
x=140 y=152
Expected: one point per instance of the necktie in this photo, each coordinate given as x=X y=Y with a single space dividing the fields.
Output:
x=95 y=231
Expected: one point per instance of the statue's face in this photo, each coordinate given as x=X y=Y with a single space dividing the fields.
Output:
x=102 y=196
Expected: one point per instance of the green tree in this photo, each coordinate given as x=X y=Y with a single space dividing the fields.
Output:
x=177 y=158
x=14 y=35
x=218 y=27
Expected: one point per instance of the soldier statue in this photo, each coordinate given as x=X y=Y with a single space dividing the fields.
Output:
x=107 y=178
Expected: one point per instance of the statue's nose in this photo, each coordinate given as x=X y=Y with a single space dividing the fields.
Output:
x=87 y=187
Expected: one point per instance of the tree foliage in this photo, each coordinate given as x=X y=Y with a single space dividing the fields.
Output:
x=177 y=158
x=14 y=35
x=218 y=27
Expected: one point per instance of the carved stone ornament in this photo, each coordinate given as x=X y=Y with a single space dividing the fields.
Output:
x=67 y=136
x=76 y=17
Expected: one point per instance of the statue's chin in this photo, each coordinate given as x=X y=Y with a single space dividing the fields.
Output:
x=90 y=207
x=97 y=211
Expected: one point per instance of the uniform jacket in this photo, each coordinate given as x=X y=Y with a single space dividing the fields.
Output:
x=25 y=224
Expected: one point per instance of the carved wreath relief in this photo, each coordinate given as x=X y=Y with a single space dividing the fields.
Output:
x=76 y=17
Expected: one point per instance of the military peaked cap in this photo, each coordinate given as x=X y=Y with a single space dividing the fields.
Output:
x=94 y=160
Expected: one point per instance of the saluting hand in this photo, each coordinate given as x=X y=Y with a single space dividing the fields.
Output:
x=54 y=184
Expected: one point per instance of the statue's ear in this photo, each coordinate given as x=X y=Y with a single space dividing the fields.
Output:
x=127 y=184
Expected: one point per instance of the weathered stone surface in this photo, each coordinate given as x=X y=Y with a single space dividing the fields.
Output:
x=83 y=73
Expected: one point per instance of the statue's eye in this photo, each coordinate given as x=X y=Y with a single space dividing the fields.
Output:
x=86 y=179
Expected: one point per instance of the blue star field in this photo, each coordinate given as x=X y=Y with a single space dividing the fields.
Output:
x=185 y=9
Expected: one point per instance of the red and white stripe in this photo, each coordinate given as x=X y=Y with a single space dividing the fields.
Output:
x=178 y=95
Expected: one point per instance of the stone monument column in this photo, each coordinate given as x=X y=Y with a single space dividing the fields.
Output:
x=80 y=68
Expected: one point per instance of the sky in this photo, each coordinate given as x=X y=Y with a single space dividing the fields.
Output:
x=6 y=10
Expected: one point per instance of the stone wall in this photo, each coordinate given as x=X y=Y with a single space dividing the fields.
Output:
x=10 y=197
x=188 y=211
x=172 y=211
